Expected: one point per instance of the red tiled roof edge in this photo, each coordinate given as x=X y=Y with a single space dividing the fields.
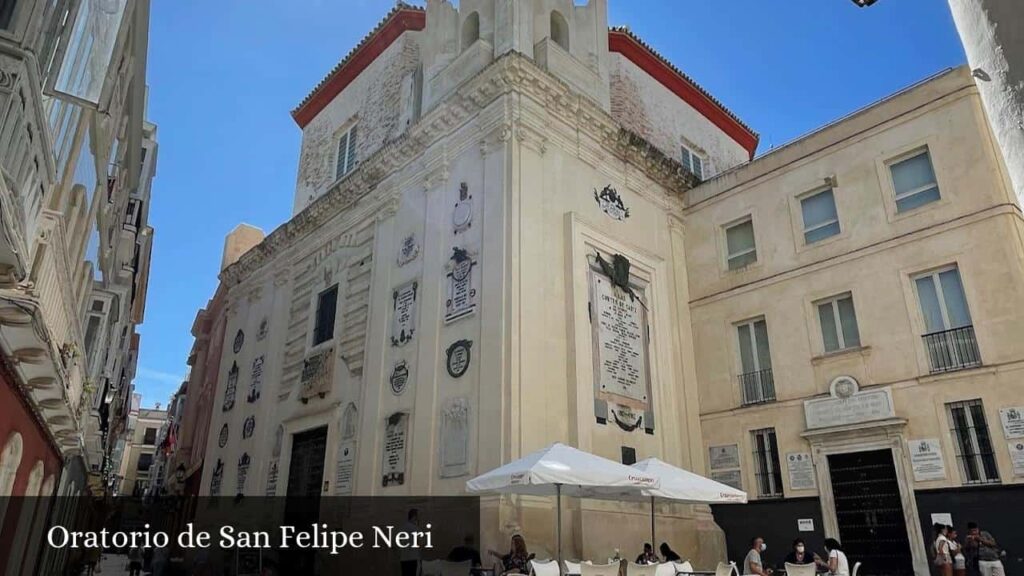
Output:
x=624 y=42
x=401 y=18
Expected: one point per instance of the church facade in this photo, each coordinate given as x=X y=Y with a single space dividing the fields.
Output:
x=513 y=226
x=487 y=256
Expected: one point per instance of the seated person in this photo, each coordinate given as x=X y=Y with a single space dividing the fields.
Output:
x=648 y=556
x=517 y=561
x=465 y=552
x=799 y=554
x=669 y=554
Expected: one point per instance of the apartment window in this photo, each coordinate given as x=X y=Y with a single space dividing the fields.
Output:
x=739 y=241
x=913 y=180
x=346 y=152
x=693 y=162
x=766 y=463
x=91 y=334
x=820 y=218
x=949 y=341
x=756 y=381
x=150 y=437
x=145 y=462
x=326 y=307
x=838 y=323
x=973 y=443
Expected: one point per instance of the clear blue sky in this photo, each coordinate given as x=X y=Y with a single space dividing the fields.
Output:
x=224 y=75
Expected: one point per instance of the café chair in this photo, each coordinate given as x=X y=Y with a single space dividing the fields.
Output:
x=633 y=569
x=571 y=567
x=801 y=569
x=599 y=569
x=544 y=568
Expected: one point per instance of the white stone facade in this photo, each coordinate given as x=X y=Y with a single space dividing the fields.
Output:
x=501 y=164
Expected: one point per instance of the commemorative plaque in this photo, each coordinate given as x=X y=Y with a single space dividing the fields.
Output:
x=403 y=321
x=395 y=433
x=399 y=377
x=461 y=301
x=458 y=358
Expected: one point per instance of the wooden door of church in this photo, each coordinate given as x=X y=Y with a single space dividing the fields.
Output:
x=872 y=526
x=305 y=474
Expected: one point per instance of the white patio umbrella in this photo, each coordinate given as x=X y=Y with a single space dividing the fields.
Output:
x=560 y=469
x=684 y=486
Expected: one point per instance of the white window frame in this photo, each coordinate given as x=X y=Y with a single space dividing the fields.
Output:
x=897 y=196
x=833 y=303
x=729 y=256
x=342 y=167
x=943 y=311
x=750 y=323
x=806 y=230
x=692 y=158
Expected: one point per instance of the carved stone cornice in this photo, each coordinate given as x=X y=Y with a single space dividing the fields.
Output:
x=511 y=72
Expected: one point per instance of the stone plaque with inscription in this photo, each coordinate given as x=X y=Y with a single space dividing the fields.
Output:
x=403 y=321
x=725 y=457
x=849 y=406
x=461 y=301
x=395 y=440
x=801 y=471
x=926 y=459
x=620 y=344
x=728 y=477
x=1013 y=422
x=343 y=480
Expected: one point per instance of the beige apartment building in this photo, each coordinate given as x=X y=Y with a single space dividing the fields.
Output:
x=856 y=309
x=139 y=448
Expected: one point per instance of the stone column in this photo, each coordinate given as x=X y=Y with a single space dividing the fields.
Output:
x=993 y=38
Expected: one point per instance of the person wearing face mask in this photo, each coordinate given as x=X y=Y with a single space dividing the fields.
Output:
x=837 y=563
x=752 y=564
x=799 y=555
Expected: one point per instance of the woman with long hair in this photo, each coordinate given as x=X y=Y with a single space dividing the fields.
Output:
x=956 y=551
x=517 y=561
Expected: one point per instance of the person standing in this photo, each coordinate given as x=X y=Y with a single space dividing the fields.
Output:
x=982 y=548
x=134 y=561
x=942 y=559
x=956 y=551
x=752 y=564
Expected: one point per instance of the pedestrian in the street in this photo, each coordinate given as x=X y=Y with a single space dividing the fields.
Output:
x=982 y=549
x=134 y=561
x=957 y=552
x=941 y=559
x=752 y=564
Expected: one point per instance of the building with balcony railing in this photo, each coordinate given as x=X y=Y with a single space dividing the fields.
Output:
x=857 y=320
x=72 y=103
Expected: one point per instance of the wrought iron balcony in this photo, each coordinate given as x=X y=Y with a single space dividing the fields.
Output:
x=757 y=387
x=951 y=350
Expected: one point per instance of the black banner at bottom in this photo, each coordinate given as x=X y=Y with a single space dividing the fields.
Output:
x=238 y=536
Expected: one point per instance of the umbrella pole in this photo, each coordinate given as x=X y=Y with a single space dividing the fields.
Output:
x=653 y=544
x=558 y=516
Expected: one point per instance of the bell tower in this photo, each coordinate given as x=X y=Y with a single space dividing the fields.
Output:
x=570 y=41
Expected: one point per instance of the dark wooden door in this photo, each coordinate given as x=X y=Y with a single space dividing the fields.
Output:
x=872 y=527
x=306 y=471
x=305 y=475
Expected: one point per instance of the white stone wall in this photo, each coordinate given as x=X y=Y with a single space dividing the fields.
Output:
x=645 y=106
x=373 y=100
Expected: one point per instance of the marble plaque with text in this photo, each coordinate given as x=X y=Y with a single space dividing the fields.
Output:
x=862 y=406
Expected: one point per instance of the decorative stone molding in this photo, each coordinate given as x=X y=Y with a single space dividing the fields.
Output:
x=512 y=72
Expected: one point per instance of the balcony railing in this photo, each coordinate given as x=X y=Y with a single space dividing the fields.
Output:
x=950 y=350
x=757 y=387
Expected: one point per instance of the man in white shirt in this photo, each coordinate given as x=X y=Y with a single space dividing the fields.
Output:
x=752 y=564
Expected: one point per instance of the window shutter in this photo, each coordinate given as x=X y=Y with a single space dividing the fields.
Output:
x=351 y=152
